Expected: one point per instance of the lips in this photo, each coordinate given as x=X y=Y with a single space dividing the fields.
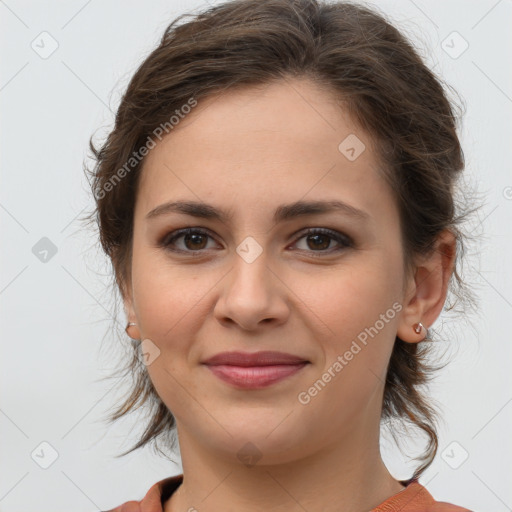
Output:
x=264 y=358
x=254 y=371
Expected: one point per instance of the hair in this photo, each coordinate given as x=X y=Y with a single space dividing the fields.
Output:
x=350 y=51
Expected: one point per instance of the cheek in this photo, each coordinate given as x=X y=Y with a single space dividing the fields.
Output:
x=162 y=296
x=360 y=304
x=172 y=302
x=354 y=295
x=167 y=316
x=361 y=311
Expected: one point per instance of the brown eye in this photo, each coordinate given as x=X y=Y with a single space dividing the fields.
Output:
x=193 y=240
x=196 y=241
x=317 y=240
x=320 y=239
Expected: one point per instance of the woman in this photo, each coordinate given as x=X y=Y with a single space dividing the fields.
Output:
x=277 y=200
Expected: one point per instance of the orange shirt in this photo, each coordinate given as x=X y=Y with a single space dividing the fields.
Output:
x=413 y=498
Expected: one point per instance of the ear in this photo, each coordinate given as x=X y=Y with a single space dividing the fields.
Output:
x=427 y=289
x=133 y=331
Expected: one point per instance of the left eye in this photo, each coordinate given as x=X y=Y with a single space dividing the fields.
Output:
x=320 y=239
x=317 y=240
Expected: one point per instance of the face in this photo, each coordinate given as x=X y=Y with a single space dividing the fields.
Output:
x=325 y=286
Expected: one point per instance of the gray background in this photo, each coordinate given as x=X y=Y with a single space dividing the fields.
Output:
x=55 y=314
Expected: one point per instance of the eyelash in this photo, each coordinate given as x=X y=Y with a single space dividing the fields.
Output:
x=341 y=238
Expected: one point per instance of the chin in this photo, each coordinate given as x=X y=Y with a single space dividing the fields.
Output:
x=262 y=440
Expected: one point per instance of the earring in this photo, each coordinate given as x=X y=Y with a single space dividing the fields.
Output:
x=418 y=327
x=128 y=326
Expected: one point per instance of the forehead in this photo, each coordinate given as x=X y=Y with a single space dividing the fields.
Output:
x=284 y=140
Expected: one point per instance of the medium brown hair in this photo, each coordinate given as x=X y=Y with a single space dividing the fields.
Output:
x=379 y=77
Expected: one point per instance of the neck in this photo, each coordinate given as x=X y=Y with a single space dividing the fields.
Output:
x=348 y=476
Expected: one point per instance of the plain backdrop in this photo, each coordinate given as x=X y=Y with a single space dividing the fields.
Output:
x=63 y=68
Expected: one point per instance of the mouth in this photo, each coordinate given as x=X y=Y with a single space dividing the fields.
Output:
x=254 y=370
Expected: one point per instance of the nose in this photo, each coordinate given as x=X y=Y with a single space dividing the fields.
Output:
x=253 y=296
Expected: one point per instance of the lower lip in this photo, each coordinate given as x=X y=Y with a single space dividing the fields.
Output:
x=254 y=377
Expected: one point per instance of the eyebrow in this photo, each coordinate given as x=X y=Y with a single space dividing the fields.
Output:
x=282 y=213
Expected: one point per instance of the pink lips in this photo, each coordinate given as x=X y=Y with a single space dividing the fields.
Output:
x=254 y=370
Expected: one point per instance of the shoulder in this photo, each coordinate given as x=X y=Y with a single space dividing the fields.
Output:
x=413 y=498
x=155 y=497
x=416 y=498
x=442 y=506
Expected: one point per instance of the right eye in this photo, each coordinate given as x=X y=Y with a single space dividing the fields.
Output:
x=194 y=240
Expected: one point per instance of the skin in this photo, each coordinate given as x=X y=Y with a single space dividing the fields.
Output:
x=247 y=152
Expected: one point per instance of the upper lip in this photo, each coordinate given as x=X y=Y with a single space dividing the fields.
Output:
x=264 y=358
